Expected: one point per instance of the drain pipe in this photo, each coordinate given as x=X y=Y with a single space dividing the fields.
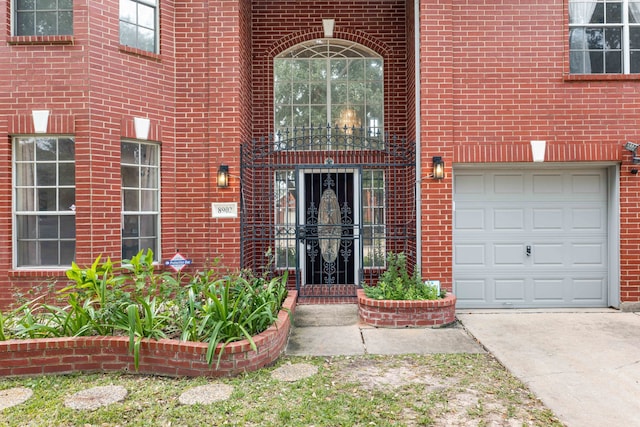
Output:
x=416 y=54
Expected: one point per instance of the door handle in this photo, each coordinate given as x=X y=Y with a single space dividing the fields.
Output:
x=528 y=250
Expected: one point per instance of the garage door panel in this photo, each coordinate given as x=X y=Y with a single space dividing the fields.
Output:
x=508 y=219
x=511 y=290
x=590 y=254
x=508 y=183
x=548 y=254
x=548 y=219
x=469 y=219
x=561 y=215
x=470 y=254
x=473 y=289
x=545 y=183
x=508 y=254
x=590 y=289
x=588 y=219
x=469 y=183
x=549 y=289
x=587 y=183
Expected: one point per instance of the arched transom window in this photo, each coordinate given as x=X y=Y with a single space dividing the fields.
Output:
x=328 y=83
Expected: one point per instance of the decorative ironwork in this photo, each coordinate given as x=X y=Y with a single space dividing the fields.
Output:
x=319 y=237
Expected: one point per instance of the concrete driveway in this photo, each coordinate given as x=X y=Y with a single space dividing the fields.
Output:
x=583 y=364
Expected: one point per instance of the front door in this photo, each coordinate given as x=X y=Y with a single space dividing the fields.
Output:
x=329 y=218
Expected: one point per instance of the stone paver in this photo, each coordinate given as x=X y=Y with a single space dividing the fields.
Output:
x=291 y=372
x=206 y=394
x=96 y=397
x=14 y=396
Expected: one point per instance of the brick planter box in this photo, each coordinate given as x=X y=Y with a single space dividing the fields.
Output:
x=406 y=314
x=157 y=357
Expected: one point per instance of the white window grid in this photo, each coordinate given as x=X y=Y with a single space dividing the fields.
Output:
x=44 y=201
x=139 y=24
x=45 y=18
x=581 y=12
x=140 y=166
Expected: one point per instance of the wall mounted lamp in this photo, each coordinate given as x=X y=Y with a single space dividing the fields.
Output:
x=438 y=168
x=632 y=146
x=223 y=176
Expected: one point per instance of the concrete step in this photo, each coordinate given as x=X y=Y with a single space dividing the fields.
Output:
x=325 y=315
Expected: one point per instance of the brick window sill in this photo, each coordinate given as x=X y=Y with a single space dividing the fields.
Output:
x=139 y=52
x=600 y=77
x=39 y=40
x=35 y=272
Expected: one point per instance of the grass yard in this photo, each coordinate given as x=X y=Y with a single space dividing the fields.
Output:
x=408 y=390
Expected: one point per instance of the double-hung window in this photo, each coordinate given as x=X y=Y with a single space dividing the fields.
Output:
x=42 y=17
x=44 y=201
x=140 y=170
x=139 y=24
x=604 y=36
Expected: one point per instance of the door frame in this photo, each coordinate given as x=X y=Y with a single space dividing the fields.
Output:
x=300 y=174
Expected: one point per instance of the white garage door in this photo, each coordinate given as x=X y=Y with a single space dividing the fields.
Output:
x=530 y=238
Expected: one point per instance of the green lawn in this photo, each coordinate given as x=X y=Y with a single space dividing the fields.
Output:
x=466 y=389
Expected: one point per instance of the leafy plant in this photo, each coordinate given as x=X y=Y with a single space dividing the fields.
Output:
x=397 y=284
x=136 y=300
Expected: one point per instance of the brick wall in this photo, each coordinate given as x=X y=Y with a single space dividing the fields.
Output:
x=377 y=24
x=494 y=77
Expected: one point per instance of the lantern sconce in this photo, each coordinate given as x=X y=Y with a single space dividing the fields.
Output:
x=223 y=176
x=438 y=168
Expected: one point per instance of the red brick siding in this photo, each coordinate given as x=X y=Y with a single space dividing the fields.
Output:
x=436 y=136
x=377 y=24
x=494 y=77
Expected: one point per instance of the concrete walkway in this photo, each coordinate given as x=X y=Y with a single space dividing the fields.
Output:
x=333 y=330
x=583 y=364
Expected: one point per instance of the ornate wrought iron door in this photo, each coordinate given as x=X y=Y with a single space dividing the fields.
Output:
x=329 y=228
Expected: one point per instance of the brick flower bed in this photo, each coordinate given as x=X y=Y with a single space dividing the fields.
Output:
x=157 y=357
x=411 y=314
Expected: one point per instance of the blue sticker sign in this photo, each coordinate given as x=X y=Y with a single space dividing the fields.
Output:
x=177 y=262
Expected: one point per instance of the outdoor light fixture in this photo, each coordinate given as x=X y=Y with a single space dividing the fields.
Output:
x=632 y=146
x=438 y=168
x=223 y=176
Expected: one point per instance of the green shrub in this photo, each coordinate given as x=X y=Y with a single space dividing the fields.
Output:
x=135 y=300
x=397 y=284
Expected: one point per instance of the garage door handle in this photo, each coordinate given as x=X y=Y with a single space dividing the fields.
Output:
x=528 y=250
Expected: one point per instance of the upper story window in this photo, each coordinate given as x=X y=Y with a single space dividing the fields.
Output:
x=329 y=84
x=44 y=201
x=139 y=24
x=43 y=17
x=604 y=36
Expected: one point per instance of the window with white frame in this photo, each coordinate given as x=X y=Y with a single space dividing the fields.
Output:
x=42 y=17
x=330 y=84
x=140 y=170
x=373 y=214
x=44 y=201
x=604 y=36
x=285 y=219
x=139 y=24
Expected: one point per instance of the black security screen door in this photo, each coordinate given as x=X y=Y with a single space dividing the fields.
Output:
x=328 y=225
